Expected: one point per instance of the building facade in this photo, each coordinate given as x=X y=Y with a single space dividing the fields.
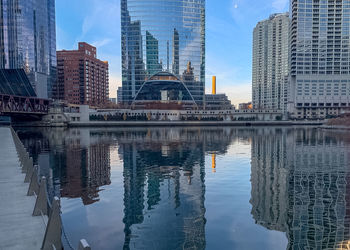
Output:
x=245 y=106
x=120 y=95
x=163 y=36
x=28 y=41
x=82 y=78
x=319 y=45
x=271 y=63
x=217 y=102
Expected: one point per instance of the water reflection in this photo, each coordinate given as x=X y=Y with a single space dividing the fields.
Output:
x=89 y=169
x=166 y=176
x=299 y=185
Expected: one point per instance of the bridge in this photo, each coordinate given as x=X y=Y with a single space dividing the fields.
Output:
x=17 y=96
x=17 y=105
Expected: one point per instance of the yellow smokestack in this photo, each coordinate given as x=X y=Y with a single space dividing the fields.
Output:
x=213 y=162
x=214 y=86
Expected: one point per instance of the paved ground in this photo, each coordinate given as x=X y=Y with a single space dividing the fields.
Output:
x=18 y=228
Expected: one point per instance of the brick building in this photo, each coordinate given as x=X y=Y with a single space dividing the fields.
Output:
x=81 y=77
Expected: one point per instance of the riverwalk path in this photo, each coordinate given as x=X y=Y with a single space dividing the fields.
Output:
x=18 y=228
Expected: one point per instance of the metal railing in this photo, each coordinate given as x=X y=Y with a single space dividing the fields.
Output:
x=49 y=211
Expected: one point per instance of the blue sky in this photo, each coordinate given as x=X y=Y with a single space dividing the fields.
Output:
x=229 y=29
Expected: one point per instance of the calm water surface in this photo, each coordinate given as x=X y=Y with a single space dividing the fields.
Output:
x=199 y=188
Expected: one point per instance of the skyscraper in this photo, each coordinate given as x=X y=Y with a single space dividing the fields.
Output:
x=28 y=41
x=161 y=36
x=320 y=73
x=271 y=63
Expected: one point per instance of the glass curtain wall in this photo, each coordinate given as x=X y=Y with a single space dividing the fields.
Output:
x=28 y=41
x=163 y=36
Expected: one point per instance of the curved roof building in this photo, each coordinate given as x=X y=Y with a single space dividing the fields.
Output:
x=163 y=36
x=164 y=89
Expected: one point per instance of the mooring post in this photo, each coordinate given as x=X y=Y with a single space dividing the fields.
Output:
x=83 y=245
x=40 y=207
x=34 y=185
x=54 y=228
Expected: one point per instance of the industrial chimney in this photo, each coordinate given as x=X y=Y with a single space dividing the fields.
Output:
x=214 y=86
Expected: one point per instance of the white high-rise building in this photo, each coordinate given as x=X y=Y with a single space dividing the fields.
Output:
x=319 y=47
x=271 y=63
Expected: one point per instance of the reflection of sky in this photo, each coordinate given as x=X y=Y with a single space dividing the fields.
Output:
x=100 y=222
x=160 y=179
x=228 y=211
x=227 y=194
x=228 y=37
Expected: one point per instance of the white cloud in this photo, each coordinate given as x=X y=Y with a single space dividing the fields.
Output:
x=102 y=19
x=100 y=43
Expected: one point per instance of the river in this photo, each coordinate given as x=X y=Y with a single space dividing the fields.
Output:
x=198 y=188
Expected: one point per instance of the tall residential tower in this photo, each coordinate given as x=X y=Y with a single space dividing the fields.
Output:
x=163 y=36
x=320 y=70
x=28 y=41
x=81 y=77
x=271 y=63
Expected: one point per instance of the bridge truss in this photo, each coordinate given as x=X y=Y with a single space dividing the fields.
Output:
x=10 y=104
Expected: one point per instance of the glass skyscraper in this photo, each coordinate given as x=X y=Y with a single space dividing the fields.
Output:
x=28 y=41
x=163 y=36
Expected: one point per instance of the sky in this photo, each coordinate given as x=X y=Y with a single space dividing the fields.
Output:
x=229 y=34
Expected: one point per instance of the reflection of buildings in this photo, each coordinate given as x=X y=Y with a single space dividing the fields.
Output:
x=152 y=54
x=133 y=68
x=300 y=186
x=269 y=177
x=87 y=170
x=161 y=36
x=176 y=52
x=163 y=91
x=164 y=184
x=76 y=166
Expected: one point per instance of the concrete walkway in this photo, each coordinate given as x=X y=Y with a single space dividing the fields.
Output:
x=18 y=228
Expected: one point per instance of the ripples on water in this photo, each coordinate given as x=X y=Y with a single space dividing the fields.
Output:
x=197 y=188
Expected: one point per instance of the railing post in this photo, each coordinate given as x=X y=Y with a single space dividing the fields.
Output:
x=22 y=155
x=54 y=228
x=83 y=245
x=29 y=174
x=41 y=201
x=27 y=164
x=34 y=185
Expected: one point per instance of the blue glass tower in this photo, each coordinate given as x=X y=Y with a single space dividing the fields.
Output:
x=28 y=41
x=163 y=36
